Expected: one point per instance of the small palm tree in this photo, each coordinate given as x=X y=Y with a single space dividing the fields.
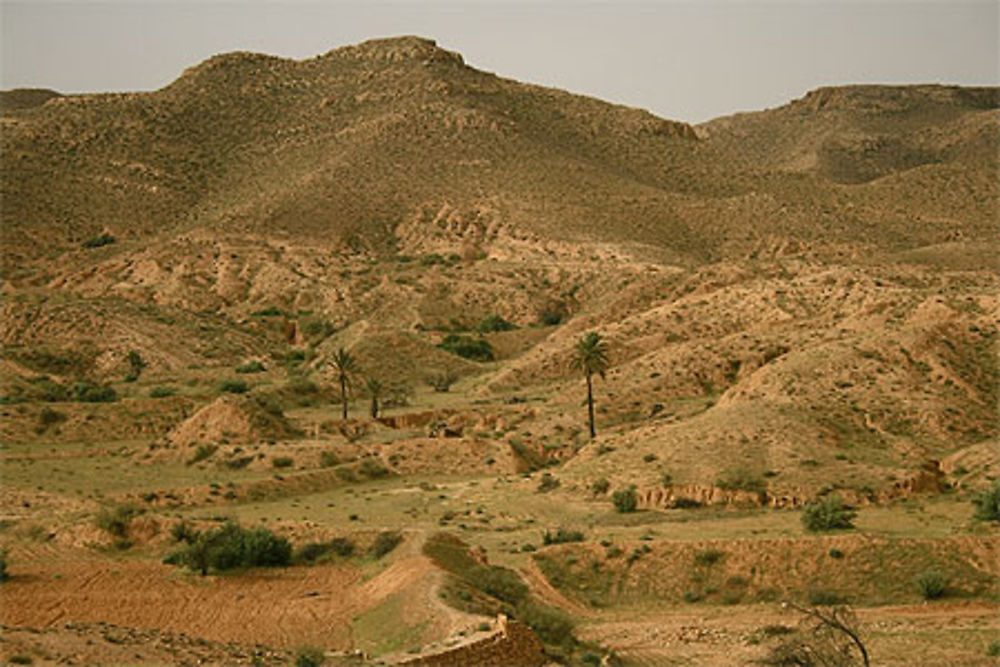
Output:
x=374 y=388
x=346 y=367
x=590 y=356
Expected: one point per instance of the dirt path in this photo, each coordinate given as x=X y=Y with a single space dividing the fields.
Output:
x=545 y=592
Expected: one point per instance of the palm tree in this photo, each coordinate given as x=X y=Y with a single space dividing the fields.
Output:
x=590 y=356
x=374 y=388
x=346 y=367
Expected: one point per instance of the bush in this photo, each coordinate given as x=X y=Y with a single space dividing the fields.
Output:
x=3 y=566
x=993 y=650
x=183 y=532
x=468 y=348
x=553 y=313
x=373 y=469
x=550 y=624
x=500 y=582
x=686 y=504
x=251 y=367
x=48 y=417
x=931 y=584
x=88 y=392
x=548 y=483
x=282 y=461
x=309 y=656
x=385 y=543
x=441 y=382
x=202 y=453
x=625 y=500
x=494 y=323
x=328 y=459
x=116 y=520
x=562 y=536
x=988 y=503
x=828 y=514
x=234 y=386
x=824 y=598
x=600 y=487
x=232 y=546
x=708 y=556
x=99 y=241
x=162 y=392
x=313 y=551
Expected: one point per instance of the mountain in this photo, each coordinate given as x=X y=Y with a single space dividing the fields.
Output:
x=354 y=145
x=812 y=283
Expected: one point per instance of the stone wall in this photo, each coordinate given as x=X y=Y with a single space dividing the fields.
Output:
x=513 y=645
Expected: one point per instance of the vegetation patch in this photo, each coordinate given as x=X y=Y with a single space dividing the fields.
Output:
x=830 y=513
x=474 y=349
x=231 y=547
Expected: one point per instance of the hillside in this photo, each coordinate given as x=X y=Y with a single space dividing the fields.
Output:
x=797 y=302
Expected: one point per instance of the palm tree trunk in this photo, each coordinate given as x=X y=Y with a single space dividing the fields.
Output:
x=374 y=407
x=343 y=395
x=590 y=406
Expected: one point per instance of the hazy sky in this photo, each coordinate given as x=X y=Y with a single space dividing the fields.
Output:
x=686 y=60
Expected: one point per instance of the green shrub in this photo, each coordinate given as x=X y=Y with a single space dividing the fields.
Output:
x=625 y=500
x=500 y=582
x=553 y=313
x=708 y=556
x=309 y=656
x=931 y=584
x=21 y=659
x=993 y=650
x=494 y=323
x=824 y=598
x=4 y=576
x=85 y=391
x=830 y=513
x=551 y=625
x=600 y=487
x=441 y=382
x=116 y=520
x=468 y=348
x=373 y=469
x=328 y=459
x=234 y=386
x=201 y=453
x=162 y=392
x=318 y=329
x=341 y=546
x=562 y=536
x=251 y=367
x=232 y=546
x=685 y=504
x=548 y=483
x=988 y=503
x=385 y=543
x=99 y=241
x=282 y=461
x=48 y=417
x=183 y=532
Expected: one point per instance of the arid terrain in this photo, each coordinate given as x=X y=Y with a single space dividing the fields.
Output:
x=799 y=307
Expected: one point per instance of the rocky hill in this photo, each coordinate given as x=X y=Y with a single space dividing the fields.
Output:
x=803 y=294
